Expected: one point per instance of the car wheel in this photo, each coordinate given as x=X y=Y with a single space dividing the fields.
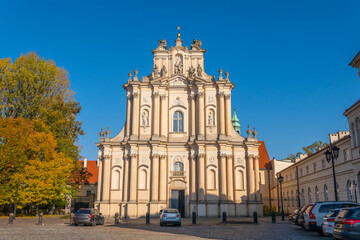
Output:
x=320 y=231
x=161 y=224
x=179 y=224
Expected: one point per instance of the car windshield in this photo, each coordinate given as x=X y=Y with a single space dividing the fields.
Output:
x=83 y=212
x=171 y=211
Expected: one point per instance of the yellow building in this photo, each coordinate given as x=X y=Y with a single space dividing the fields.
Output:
x=178 y=147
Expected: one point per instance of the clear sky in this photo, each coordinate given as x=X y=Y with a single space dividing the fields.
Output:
x=288 y=59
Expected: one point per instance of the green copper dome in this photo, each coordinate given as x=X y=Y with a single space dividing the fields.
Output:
x=235 y=122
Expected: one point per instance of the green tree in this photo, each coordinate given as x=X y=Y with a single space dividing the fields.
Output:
x=309 y=150
x=35 y=88
x=29 y=155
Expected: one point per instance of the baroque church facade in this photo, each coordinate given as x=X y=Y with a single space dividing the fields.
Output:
x=178 y=147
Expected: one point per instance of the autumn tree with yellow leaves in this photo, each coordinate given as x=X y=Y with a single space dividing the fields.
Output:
x=35 y=92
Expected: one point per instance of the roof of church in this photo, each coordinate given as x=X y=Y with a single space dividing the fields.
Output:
x=93 y=169
x=263 y=155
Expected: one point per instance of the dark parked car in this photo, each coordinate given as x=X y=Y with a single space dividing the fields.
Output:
x=88 y=216
x=347 y=224
x=294 y=217
x=301 y=216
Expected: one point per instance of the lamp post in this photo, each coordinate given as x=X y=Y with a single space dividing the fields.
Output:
x=268 y=166
x=17 y=195
x=331 y=154
x=281 y=179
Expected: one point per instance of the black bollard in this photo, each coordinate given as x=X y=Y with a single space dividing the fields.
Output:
x=116 y=218
x=193 y=217
x=41 y=219
x=224 y=217
x=147 y=218
x=255 y=217
x=11 y=218
x=273 y=218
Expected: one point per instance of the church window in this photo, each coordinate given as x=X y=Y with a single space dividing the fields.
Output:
x=349 y=192
x=143 y=179
x=178 y=122
x=178 y=167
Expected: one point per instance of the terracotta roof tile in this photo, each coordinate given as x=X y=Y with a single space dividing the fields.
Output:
x=263 y=155
x=92 y=168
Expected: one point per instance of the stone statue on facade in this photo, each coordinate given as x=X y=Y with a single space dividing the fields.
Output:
x=249 y=132
x=163 y=71
x=145 y=119
x=107 y=138
x=254 y=133
x=101 y=133
x=211 y=119
x=196 y=44
x=162 y=42
x=156 y=71
x=178 y=65
x=191 y=72
x=199 y=70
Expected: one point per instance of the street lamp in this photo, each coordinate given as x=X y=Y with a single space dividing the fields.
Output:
x=17 y=195
x=281 y=179
x=333 y=153
x=268 y=166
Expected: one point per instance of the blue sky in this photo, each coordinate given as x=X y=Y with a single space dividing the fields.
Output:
x=288 y=59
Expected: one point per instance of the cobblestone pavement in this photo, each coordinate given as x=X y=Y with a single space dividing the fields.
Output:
x=56 y=228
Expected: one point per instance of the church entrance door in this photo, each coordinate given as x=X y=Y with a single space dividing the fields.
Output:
x=178 y=201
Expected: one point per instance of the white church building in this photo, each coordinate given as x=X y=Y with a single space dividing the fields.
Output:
x=178 y=147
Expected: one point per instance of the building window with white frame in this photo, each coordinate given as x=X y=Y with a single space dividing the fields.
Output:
x=301 y=174
x=307 y=169
x=345 y=155
x=317 y=194
x=349 y=192
x=325 y=193
x=178 y=122
x=323 y=163
x=290 y=176
x=314 y=167
x=309 y=195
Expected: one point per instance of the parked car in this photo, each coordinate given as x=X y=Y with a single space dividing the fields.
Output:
x=170 y=216
x=313 y=216
x=294 y=216
x=88 y=216
x=301 y=215
x=347 y=224
x=329 y=222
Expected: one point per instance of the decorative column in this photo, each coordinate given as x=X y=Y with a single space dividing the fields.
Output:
x=193 y=178
x=155 y=178
x=128 y=115
x=135 y=117
x=201 y=115
x=230 y=181
x=156 y=115
x=251 y=180
x=126 y=178
x=133 y=177
x=201 y=171
x=106 y=178
x=257 y=177
x=193 y=119
x=99 y=184
x=163 y=177
x=222 y=114
x=228 y=114
x=164 y=116
x=223 y=177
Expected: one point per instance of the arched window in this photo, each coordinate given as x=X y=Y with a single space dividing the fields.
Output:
x=178 y=122
x=317 y=194
x=211 y=179
x=303 y=196
x=353 y=134
x=326 y=193
x=142 y=179
x=338 y=191
x=309 y=195
x=115 y=180
x=178 y=166
x=349 y=192
x=239 y=178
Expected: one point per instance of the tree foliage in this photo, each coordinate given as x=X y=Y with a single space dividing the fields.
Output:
x=308 y=150
x=29 y=155
x=37 y=90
